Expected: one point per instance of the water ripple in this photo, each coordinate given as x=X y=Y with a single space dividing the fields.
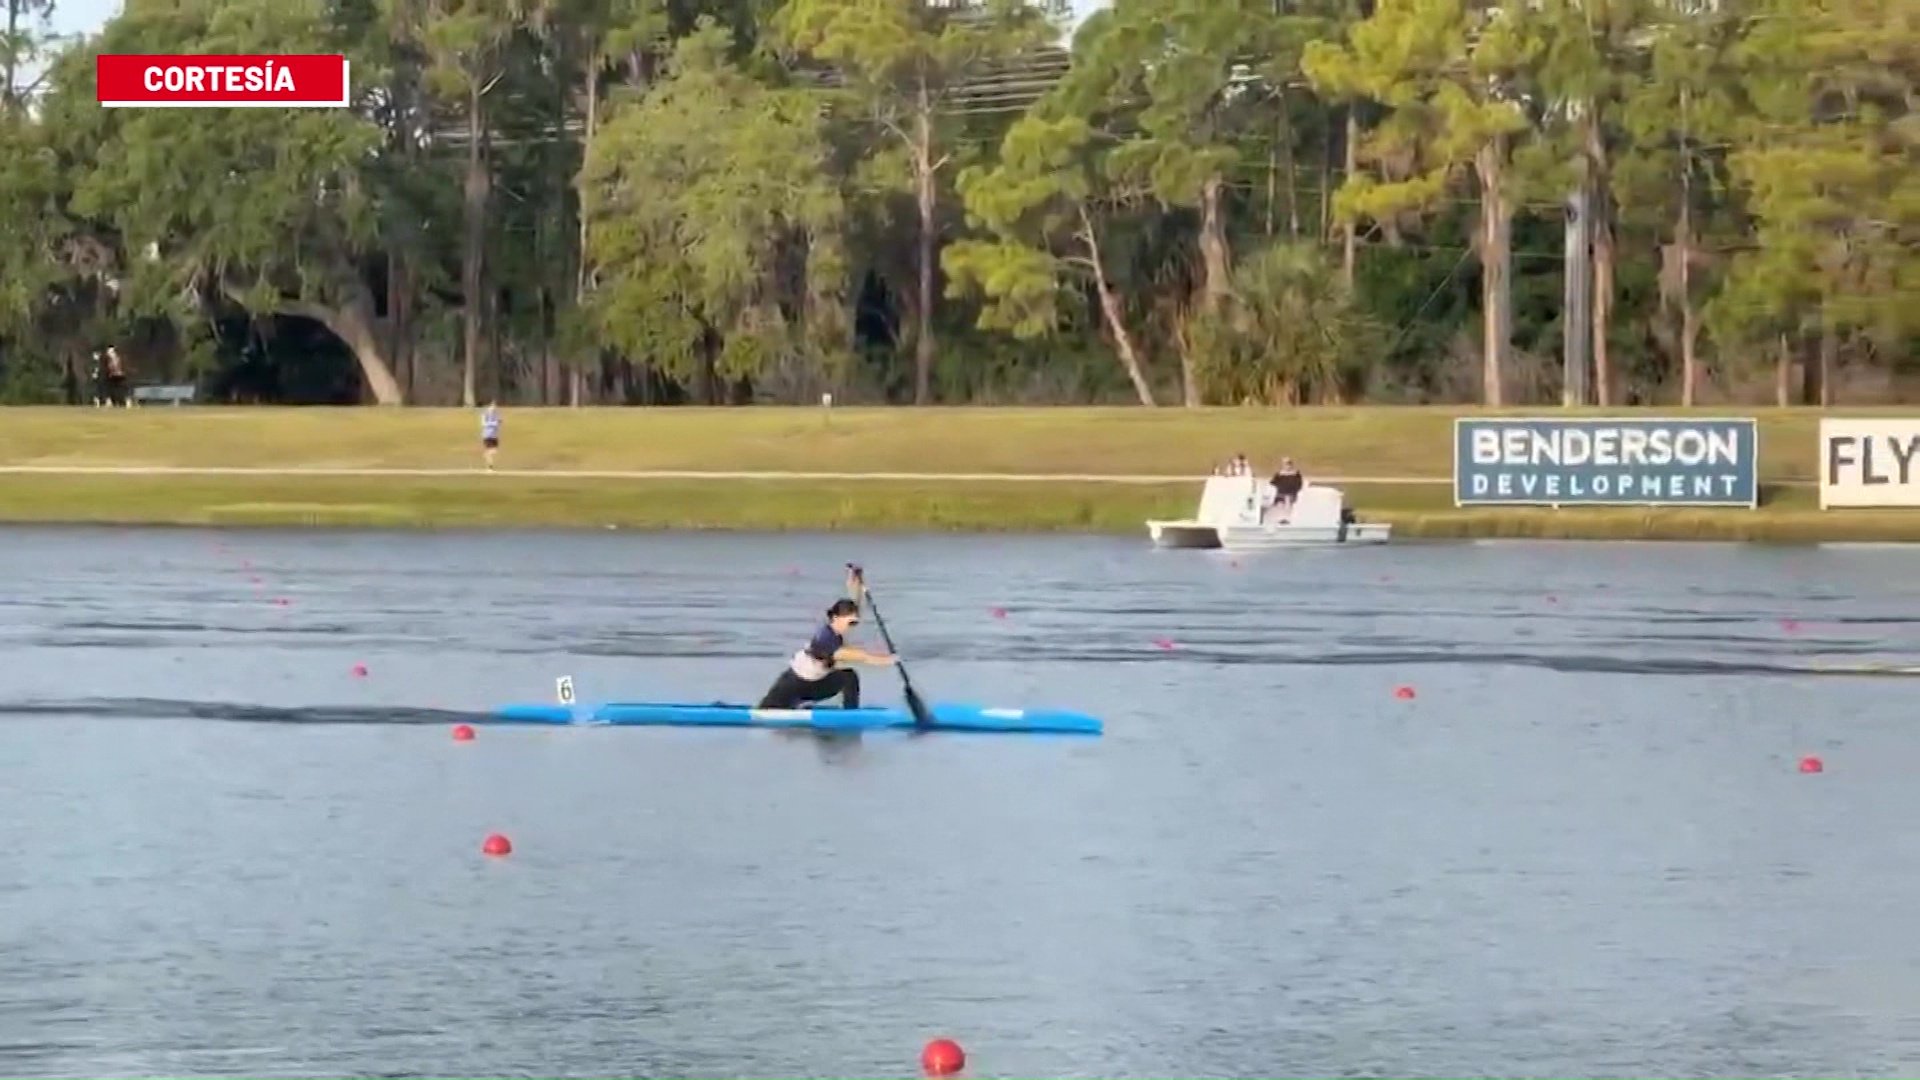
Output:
x=238 y=847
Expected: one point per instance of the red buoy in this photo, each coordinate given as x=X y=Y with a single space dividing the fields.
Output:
x=1163 y=643
x=1404 y=693
x=463 y=733
x=1789 y=625
x=1812 y=764
x=998 y=613
x=496 y=845
x=943 y=1057
x=360 y=671
x=281 y=601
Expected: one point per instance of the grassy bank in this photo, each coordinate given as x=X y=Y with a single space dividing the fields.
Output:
x=1379 y=442
x=497 y=501
x=1352 y=444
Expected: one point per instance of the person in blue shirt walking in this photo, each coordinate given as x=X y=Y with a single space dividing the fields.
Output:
x=490 y=433
x=814 y=673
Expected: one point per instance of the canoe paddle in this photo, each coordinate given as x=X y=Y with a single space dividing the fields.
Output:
x=922 y=716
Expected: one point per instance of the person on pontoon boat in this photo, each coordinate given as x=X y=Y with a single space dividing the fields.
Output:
x=1283 y=489
x=1287 y=482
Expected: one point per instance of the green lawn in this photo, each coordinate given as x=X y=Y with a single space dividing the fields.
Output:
x=1381 y=442
x=1348 y=443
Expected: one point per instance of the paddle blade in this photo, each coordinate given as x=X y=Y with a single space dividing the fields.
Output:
x=922 y=715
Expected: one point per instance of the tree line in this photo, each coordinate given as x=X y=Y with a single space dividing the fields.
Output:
x=1184 y=202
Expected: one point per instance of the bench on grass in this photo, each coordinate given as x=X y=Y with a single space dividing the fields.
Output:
x=177 y=394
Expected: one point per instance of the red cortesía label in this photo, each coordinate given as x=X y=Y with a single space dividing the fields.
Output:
x=222 y=82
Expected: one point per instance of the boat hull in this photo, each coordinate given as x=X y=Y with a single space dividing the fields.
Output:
x=1263 y=537
x=1183 y=534
x=957 y=718
x=1192 y=534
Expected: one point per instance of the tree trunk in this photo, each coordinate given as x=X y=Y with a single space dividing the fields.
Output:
x=1324 y=229
x=1602 y=301
x=580 y=278
x=473 y=301
x=1689 y=314
x=1214 y=252
x=1110 y=309
x=549 y=359
x=1819 y=388
x=12 y=54
x=1217 y=286
x=925 y=193
x=1189 y=378
x=1683 y=236
x=1783 y=374
x=1350 y=235
x=404 y=86
x=703 y=377
x=399 y=317
x=1600 y=209
x=1496 y=269
x=504 y=355
x=353 y=323
x=1287 y=166
x=1273 y=174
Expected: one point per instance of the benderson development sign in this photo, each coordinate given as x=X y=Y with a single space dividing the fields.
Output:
x=1605 y=461
x=1869 y=463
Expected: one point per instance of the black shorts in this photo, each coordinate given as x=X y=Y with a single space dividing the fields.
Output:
x=491 y=444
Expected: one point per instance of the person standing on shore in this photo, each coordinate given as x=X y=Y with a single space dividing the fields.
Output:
x=117 y=380
x=490 y=433
x=109 y=378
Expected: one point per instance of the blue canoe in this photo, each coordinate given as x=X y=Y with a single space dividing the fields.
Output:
x=975 y=718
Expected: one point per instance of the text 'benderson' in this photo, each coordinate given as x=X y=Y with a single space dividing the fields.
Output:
x=1575 y=461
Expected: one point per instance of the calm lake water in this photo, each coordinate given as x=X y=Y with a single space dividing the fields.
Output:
x=1583 y=848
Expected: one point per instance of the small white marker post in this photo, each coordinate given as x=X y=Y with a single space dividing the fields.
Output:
x=826 y=409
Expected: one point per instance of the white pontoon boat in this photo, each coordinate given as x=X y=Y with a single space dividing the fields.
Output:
x=1238 y=512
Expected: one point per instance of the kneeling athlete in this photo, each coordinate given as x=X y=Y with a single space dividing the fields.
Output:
x=814 y=675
